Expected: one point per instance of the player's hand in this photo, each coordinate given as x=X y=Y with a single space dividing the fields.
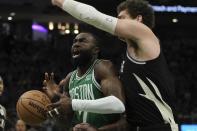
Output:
x=84 y=127
x=63 y=106
x=50 y=87
x=58 y=3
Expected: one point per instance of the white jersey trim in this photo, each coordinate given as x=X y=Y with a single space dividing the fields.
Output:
x=135 y=61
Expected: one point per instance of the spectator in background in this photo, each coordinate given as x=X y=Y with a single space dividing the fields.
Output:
x=20 y=125
x=2 y=109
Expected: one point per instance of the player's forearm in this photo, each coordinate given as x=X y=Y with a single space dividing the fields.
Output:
x=106 y=105
x=88 y=14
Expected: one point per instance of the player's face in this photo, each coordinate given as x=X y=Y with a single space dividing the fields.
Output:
x=1 y=87
x=124 y=15
x=83 y=48
x=20 y=126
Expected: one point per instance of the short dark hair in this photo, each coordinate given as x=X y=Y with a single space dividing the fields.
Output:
x=139 y=7
x=97 y=39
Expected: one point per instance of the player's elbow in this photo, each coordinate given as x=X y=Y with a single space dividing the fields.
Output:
x=119 y=106
x=119 y=109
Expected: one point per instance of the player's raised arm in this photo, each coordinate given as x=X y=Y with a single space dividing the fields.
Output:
x=128 y=29
x=88 y=14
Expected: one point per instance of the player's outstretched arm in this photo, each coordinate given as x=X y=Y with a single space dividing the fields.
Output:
x=124 y=28
x=88 y=14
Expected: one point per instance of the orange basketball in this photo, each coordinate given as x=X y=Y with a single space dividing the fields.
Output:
x=31 y=107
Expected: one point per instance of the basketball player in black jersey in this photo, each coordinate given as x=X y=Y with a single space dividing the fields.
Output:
x=147 y=81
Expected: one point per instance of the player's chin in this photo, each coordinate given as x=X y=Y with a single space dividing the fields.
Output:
x=76 y=61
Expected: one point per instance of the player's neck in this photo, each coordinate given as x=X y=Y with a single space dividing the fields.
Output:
x=83 y=68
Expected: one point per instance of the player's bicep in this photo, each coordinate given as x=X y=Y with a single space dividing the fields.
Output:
x=112 y=86
x=147 y=42
x=132 y=29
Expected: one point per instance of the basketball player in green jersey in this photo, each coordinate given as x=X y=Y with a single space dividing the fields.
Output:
x=95 y=91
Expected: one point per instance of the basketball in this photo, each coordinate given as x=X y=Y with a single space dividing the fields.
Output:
x=31 y=107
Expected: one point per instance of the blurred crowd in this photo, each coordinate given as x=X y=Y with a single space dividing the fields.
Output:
x=23 y=63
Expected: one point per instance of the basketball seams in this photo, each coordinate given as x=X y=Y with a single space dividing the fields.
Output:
x=32 y=112
x=33 y=100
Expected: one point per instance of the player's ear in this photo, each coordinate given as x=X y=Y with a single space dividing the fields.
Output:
x=139 y=18
x=96 y=50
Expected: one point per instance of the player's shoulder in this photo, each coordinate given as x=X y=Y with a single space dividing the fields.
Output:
x=102 y=63
x=104 y=68
x=65 y=80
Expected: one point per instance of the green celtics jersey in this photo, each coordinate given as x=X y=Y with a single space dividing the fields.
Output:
x=87 y=88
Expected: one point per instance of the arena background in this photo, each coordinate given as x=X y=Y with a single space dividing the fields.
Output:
x=36 y=37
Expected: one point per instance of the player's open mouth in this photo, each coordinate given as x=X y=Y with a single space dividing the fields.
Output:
x=76 y=53
x=75 y=56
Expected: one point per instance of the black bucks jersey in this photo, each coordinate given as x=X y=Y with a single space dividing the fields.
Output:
x=149 y=92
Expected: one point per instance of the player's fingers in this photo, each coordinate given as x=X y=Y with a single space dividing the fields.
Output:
x=52 y=76
x=49 y=114
x=53 y=113
x=46 y=76
x=54 y=105
x=44 y=88
x=44 y=83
